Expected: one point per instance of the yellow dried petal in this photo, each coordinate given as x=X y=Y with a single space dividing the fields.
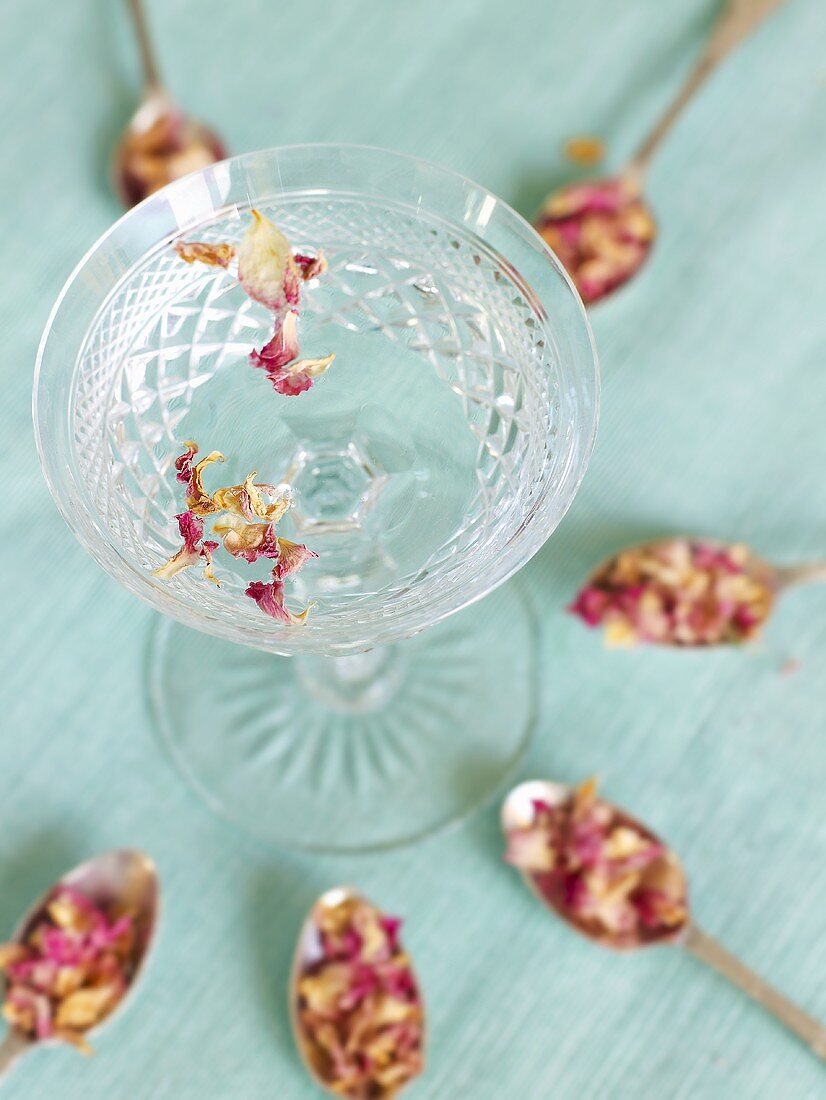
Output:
x=623 y=842
x=198 y=500
x=177 y=563
x=213 y=255
x=68 y=1035
x=585 y=150
x=84 y=1008
x=11 y=953
x=248 y=500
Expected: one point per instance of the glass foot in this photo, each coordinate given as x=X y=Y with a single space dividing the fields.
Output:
x=357 y=753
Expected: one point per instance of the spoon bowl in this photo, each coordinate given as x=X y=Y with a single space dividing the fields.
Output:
x=160 y=144
x=125 y=878
x=518 y=813
x=309 y=960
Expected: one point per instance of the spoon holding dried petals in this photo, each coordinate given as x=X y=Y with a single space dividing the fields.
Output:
x=686 y=592
x=78 y=953
x=602 y=230
x=615 y=882
x=160 y=143
x=355 y=1005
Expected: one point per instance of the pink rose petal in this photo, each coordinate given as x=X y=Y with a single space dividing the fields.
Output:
x=270 y=599
x=266 y=268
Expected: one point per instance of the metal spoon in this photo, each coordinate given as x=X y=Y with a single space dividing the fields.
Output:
x=737 y=20
x=309 y=951
x=775 y=579
x=125 y=877
x=160 y=143
x=518 y=813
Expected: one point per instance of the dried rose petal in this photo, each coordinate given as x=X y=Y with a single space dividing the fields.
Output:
x=297 y=377
x=250 y=541
x=289 y=376
x=266 y=268
x=270 y=598
x=585 y=150
x=358 y=1008
x=282 y=348
x=530 y=850
x=213 y=255
x=73 y=968
x=198 y=501
x=310 y=267
x=601 y=870
x=683 y=592
x=292 y=556
x=12 y=953
x=601 y=231
x=83 y=1009
x=193 y=550
x=247 y=529
x=270 y=274
x=248 y=500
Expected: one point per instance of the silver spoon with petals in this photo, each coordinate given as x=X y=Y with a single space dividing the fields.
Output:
x=356 y=1009
x=686 y=591
x=125 y=880
x=613 y=880
x=602 y=230
x=160 y=143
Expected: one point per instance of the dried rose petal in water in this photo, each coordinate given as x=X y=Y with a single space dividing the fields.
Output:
x=282 y=348
x=192 y=552
x=248 y=500
x=213 y=255
x=271 y=274
x=247 y=529
x=252 y=541
x=266 y=267
x=292 y=556
x=601 y=870
x=293 y=379
x=270 y=598
x=602 y=232
x=198 y=500
x=359 y=1013
x=310 y=267
x=72 y=970
x=289 y=376
x=682 y=592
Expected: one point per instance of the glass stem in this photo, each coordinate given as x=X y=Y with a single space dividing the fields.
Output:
x=357 y=682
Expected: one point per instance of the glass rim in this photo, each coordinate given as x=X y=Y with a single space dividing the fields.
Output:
x=167 y=204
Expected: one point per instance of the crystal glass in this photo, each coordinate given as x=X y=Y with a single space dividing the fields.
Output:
x=432 y=460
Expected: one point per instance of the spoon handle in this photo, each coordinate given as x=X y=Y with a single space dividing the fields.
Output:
x=735 y=23
x=150 y=68
x=12 y=1047
x=806 y=1027
x=808 y=573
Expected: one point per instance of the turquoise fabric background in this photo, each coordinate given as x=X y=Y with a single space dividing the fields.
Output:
x=714 y=397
